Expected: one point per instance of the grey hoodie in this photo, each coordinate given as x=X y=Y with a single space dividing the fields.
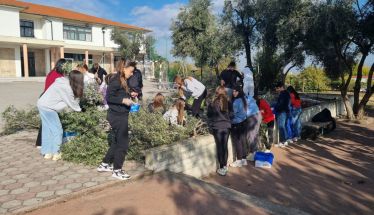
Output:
x=59 y=96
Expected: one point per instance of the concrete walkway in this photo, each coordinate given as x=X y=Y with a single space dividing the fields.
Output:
x=165 y=193
x=28 y=180
x=331 y=175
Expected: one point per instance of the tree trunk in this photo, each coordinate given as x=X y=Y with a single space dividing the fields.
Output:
x=347 y=105
x=369 y=92
x=357 y=87
x=345 y=98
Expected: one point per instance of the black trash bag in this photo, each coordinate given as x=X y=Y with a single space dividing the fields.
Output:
x=325 y=116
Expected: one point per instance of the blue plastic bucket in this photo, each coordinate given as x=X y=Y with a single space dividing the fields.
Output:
x=264 y=157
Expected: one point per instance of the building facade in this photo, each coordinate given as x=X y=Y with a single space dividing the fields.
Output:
x=33 y=37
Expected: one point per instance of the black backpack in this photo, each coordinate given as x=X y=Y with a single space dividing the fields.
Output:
x=325 y=116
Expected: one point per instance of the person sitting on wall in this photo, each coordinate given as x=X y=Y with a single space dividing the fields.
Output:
x=175 y=115
x=158 y=104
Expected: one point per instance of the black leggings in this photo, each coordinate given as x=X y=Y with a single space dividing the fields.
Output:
x=239 y=139
x=120 y=142
x=197 y=104
x=221 y=137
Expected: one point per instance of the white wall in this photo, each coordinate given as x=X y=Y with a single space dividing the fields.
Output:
x=108 y=41
x=17 y=58
x=58 y=32
x=47 y=61
x=9 y=22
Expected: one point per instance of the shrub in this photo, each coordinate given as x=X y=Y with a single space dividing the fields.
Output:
x=17 y=120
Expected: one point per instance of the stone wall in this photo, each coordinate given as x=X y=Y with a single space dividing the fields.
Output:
x=195 y=157
x=7 y=62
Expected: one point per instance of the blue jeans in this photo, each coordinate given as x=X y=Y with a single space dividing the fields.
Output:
x=51 y=131
x=296 y=122
x=282 y=126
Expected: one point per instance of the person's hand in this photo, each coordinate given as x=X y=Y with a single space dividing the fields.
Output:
x=134 y=94
x=127 y=102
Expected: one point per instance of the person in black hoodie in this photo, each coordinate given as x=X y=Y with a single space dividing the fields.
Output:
x=282 y=111
x=220 y=124
x=99 y=72
x=119 y=101
x=136 y=84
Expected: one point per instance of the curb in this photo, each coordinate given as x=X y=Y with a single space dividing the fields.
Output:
x=136 y=175
x=233 y=195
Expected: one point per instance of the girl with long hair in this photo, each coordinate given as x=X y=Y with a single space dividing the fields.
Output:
x=220 y=124
x=158 y=104
x=63 y=93
x=175 y=115
x=57 y=72
x=196 y=88
x=239 y=126
x=119 y=101
x=295 y=113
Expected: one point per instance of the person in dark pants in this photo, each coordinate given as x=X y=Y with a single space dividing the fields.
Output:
x=57 y=72
x=239 y=126
x=99 y=72
x=268 y=118
x=219 y=122
x=119 y=101
x=282 y=110
x=196 y=88
x=136 y=84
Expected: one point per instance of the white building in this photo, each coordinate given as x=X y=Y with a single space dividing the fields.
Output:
x=33 y=37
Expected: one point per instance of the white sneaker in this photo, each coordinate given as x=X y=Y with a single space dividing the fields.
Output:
x=289 y=141
x=277 y=145
x=56 y=157
x=295 y=139
x=251 y=157
x=48 y=156
x=286 y=143
x=221 y=171
x=121 y=175
x=237 y=163
x=38 y=147
x=283 y=145
x=104 y=167
x=267 y=151
x=244 y=162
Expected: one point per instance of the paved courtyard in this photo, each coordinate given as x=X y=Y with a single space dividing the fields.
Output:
x=27 y=179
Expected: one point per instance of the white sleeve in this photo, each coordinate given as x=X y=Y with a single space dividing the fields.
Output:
x=67 y=96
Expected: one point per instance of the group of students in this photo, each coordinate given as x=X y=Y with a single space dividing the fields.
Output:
x=236 y=111
x=231 y=112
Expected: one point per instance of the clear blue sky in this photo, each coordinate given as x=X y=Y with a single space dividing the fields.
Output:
x=155 y=15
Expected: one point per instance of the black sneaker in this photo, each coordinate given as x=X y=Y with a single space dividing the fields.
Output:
x=121 y=175
x=104 y=168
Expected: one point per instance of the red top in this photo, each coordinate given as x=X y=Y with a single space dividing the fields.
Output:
x=267 y=114
x=296 y=103
x=51 y=77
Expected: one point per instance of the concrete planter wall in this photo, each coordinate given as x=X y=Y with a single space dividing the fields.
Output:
x=334 y=104
x=195 y=157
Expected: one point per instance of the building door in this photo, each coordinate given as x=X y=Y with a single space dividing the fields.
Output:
x=31 y=59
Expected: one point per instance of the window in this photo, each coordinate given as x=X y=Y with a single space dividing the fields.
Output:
x=27 y=28
x=77 y=33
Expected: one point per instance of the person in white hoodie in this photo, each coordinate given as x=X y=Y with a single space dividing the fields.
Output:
x=64 y=93
x=248 y=84
x=196 y=88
